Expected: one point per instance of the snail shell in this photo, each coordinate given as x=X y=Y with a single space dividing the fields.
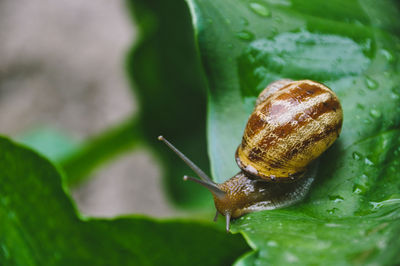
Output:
x=292 y=124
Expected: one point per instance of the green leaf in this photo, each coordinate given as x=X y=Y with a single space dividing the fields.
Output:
x=166 y=73
x=351 y=215
x=39 y=226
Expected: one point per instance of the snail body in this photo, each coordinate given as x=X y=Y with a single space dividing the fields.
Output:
x=292 y=124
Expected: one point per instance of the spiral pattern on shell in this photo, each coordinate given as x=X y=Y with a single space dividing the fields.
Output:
x=292 y=124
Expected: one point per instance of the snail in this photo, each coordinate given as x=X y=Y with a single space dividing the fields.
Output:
x=292 y=124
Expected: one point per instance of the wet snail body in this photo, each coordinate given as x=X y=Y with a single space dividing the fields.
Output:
x=292 y=124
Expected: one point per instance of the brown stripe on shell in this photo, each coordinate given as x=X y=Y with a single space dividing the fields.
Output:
x=307 y=142
x=256 y=154
x=301 y=92
x=255 y=124
x=302 y=118
x=273 y=88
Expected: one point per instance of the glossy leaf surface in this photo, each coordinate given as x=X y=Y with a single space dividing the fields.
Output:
x=351 y=215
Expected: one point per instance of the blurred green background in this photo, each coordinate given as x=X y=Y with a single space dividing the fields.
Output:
x=62 y=81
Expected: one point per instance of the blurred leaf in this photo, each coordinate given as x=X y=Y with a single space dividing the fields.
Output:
x=39 y=226
x=165 y=72
x=352 y=213
x=101 y=148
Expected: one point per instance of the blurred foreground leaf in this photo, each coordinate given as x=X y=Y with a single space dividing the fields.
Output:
x=352 y=214
x=39 y=226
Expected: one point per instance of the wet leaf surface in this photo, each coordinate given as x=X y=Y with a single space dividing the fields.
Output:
x=351 y=215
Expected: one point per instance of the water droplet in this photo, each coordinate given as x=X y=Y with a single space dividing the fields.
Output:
x=371 y=83
x=367 y=121
x=395 y=94
x=245 y=35
x=274 y=31
x=382 y=244
x=290 y=257
x=380 y=204
x=332 y=211
x=388 y=55
x=278 y=19
x=332 y=225
x=368 y=162
x=244 y=21
x=359 y=189
x=364 y=178
x=336 y=198
x=356 y=155
x=272 y=243
x=375 y=113
x=260 y=9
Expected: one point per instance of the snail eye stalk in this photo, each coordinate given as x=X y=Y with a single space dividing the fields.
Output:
x=204 y=180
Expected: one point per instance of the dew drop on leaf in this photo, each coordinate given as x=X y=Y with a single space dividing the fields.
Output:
x=336 y=198
x=367 y=121
x=359 y=189
x=388 y=55
x=260 y=9
x=375 y=113
x=368 y=162
x=272 y=243
x=332 y=211
x=291 y=258
x=388 y=202
x=245 y=35
x=356 y=155
x=395 y=94
x=371 y=83
x=278 y=19
x=244 y=21
x=332 y=225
